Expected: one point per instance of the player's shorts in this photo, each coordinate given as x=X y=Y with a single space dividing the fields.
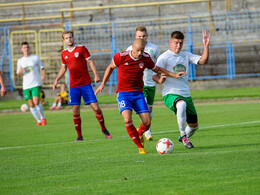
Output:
x=32 y=92
x=149 y=93
x=85 y=91
x=170 y=101
x=132 y=100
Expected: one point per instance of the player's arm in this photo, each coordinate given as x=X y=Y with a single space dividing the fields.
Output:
x=160 y=70
x=94 y=70
x=43 y=74
x=206 y=41
x=3 y=89
x=159 y=78
x=60 y=75
x=107 y=74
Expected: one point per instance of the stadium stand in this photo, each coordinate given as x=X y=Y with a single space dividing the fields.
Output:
x=108 y=26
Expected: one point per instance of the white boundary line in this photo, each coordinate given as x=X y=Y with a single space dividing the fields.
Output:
x=52 y=144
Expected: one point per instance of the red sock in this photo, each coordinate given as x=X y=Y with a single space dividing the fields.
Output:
x=101 y=121
x=142 y=129
x=132 y=132
x=77 y=122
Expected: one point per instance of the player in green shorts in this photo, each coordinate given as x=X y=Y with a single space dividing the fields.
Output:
x=149 y=85
x=176 y=92
x=28 y=67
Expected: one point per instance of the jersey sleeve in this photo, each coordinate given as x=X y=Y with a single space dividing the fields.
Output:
x=151 y=64
x=193 y=58
x=63 y=60
x=86 y=53
x=161 y=62
x=117 y=59
x=18 y=66
x=39 y=62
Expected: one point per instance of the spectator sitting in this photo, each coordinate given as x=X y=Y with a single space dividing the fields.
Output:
x=61 y=98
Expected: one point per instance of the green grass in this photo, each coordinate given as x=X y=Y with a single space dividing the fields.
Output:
x=46 y=160
x=197 y=95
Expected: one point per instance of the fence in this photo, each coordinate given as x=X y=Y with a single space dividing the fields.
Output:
x=105 y=39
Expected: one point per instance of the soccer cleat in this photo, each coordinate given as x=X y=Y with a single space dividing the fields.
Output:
x=58 y=107
x=39 y=123
x=44 y=122
x=142 y=151
x=107 y=134
x=52 y=108
x=148 y=135
x=149 y=138
x=186 y=142
x=142 y=139
x=79 y=139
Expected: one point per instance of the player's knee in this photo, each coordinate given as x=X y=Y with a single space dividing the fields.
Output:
x=194 y=125
x=147 y=123
x=181 y=105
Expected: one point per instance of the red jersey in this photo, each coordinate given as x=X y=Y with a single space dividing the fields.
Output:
x=130 y=71
x=77 y=65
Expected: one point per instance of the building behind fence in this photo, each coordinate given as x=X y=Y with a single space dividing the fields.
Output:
x=234 y=50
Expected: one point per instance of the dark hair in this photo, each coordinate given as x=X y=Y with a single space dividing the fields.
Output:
x=141 y=28
x=177 y=35
x=24 y=43
x=67 y=32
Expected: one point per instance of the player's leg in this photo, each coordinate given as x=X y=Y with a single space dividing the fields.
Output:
x=36 y=100
x=149 y=94
x=100 y=118
x=125 y=107
x=141 y=108
x=177 y=104
x=34 y=111
x=74 y=101
x=192 y=118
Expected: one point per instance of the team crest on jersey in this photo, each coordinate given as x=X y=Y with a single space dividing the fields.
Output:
x=141 y=65
x=76 y=54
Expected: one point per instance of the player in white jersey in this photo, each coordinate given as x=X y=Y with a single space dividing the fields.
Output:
x=176 y=92
x=149 y=85
x=28 y=67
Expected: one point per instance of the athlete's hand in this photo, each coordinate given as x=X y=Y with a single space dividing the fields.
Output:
x=99 y=89
x=206 y=38
x=3 y=91
x=180 y=73
x=54 y=86
x=162 y=78
x=96 y=78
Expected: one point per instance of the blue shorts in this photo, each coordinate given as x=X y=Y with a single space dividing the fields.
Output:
x=132 y=100
x=85 y=91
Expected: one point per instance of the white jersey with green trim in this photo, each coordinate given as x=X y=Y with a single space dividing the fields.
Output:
x=177 y=63
x=154 y=53
x=31 y=75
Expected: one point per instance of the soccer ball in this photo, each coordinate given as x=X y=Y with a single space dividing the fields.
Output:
x=24 y=107
x=164 y=146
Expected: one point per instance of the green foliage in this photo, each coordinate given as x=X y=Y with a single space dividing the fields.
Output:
x=46 y=160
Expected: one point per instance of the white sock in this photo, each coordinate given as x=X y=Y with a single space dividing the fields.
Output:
x=40 y=110
x=181 y=116
x=54 y=104
x=59 y=104
x=35 y=113
x=190 y=130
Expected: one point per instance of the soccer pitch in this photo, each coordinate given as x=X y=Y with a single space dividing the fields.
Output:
x=46 y=160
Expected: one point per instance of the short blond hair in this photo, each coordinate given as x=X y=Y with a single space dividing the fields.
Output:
x=67 y=32
x=141 y=28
